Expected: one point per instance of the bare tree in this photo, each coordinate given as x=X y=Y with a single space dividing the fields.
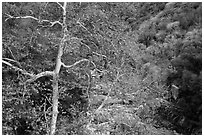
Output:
x=55 y=73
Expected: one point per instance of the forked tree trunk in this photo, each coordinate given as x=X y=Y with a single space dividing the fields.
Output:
x=55 y=93
x=56 y=76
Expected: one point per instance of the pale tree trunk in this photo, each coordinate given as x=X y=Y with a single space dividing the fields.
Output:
x=55 y=104
x=55 y=95
x=56 y=76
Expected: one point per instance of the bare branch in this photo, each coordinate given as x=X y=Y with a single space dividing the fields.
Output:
x=93 y=64
x=11 y=52
x=17 y=69
x=56 y=22
x=69 y=66
x=99 y=54
x=21 y=17
x=42 y=74
x=46 y=5
x=80 y=24
x=102 y=104
x=26 y=17
x=45 y=20
x=9 y=16
x=60 y=5
x=86 y=45
x=10 y=60
x=76 y=38
x=96 y=69
x=110 y=89
x=49 y=23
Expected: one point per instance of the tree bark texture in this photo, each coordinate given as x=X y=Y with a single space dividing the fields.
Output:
x=55 y=105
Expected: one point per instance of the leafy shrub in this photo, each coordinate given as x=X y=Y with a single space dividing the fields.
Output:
x=188 y=100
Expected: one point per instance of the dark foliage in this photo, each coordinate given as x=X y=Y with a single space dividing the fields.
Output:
x=10 y=74
x=146 y=37
x=42 y=92
x=74 y=98
x=189 y=99
x=21 y=126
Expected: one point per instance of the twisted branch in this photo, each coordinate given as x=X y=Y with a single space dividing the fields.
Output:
x=76 y=63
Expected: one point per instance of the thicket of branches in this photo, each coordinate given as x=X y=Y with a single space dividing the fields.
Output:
x=101 y=68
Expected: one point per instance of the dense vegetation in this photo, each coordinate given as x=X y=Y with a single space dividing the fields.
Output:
x=141 y=74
